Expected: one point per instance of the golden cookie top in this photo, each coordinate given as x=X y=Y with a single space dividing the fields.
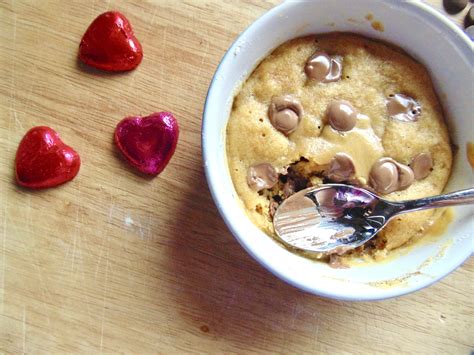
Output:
x=343 y=108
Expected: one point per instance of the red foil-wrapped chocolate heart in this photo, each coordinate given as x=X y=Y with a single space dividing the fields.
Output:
x=109 y=44
x=148 y=142
x=43 y=160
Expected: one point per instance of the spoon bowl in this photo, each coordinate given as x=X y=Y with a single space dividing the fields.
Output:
x=335 y=218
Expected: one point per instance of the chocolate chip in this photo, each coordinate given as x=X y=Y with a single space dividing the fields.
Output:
x=342 y=116
x=335 y=261
x=272 y=208
x=405 y=176
x=283 y=178
x=469 y=19
x=323 y=68
x=387 y=175
x=341 y=168
x=318 y=66
x=277 y=198
x=383 y=176
x=470 y=32
x=335 y=72
x=454 y=6
x=300 y=183
x=285 y=113
x=421 y=165
x=288 y=188
x=261 y=176
x=403 y=108
x=295 y=181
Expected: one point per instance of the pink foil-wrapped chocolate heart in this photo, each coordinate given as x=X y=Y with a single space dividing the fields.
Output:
x=148 y=143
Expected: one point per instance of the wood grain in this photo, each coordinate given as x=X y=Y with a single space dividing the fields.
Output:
x=113 y=262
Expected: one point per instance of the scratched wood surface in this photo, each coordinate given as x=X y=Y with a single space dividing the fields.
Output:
x=113 y=262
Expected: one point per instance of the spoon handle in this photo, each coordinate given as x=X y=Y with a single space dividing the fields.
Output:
x=463 y=197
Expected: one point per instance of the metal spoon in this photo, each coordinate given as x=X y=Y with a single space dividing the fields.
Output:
x=335 y=218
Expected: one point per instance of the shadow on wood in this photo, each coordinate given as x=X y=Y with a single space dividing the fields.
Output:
x=222 y=291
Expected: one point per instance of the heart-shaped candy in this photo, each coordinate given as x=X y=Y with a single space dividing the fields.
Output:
x=109 y=44
x=43 y=160
x=148 y=142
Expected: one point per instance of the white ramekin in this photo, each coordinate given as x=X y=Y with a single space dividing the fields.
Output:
x=426 y=35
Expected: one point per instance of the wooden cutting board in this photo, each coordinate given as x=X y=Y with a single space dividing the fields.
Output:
x=113 y=262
